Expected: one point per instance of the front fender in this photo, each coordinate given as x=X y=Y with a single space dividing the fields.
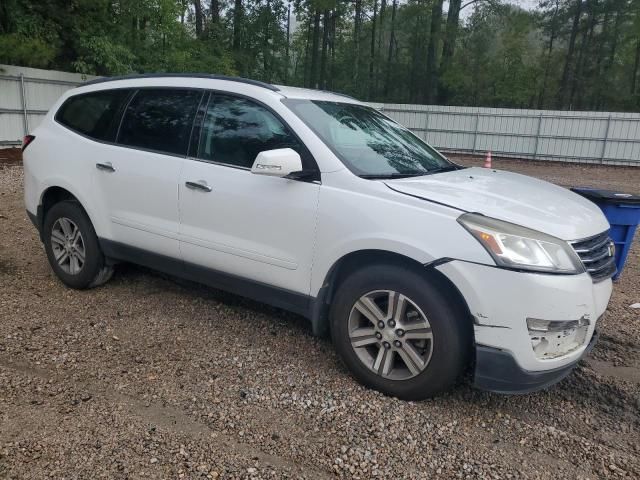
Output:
x=327 y=259
x=383 y=220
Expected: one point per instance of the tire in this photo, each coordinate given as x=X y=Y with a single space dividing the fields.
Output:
x=434 y=345
x=88 y=270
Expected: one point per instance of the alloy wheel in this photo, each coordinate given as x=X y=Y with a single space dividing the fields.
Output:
x=68 y=246
x=390 y=334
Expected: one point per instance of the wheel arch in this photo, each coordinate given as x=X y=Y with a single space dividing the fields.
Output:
x=353 y=260
x=55 y=194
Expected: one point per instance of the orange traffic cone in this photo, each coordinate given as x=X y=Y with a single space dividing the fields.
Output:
x=487 y=161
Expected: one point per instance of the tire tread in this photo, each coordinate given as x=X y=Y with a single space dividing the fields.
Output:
x=97 y=270
x=448 y=319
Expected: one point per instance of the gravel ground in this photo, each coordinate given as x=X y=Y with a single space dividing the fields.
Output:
x=149 y=377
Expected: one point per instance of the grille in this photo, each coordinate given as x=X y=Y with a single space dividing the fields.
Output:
x=597 y=256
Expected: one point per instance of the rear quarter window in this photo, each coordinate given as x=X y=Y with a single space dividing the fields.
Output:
x=95 y=114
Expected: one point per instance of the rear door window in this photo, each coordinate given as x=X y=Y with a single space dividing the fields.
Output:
x=160 y=119
x=95 y=114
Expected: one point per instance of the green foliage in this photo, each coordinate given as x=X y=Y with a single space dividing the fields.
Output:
x=16 y=49
x=100 y=55
x=200 y=57
x=498 y=62
x=572 y=54
x=109 y=37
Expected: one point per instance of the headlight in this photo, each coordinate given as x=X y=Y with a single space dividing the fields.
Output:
x=513 y=246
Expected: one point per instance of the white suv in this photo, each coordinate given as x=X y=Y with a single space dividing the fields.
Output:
x=314 y=202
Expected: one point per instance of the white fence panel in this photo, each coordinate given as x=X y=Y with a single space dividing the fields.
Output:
x=26 y=94
x=584 y=137
x=589 y=137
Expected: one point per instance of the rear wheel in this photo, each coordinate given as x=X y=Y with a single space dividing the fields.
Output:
x=399 y=333
x=72 y=247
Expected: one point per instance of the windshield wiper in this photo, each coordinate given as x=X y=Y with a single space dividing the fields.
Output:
x=448 y=168
x=389 y=176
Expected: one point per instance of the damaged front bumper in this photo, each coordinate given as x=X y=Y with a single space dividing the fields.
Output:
x=530 y=329
x=497 y=371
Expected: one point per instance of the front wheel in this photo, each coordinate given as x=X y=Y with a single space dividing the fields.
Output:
x=399 y=333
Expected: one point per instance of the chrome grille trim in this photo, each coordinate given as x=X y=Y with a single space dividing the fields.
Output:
x=605 y=240
x=594 y=253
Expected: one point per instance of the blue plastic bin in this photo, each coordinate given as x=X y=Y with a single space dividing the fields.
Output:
x=623 y=213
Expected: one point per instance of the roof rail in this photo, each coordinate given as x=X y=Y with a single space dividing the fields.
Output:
x=248 y=81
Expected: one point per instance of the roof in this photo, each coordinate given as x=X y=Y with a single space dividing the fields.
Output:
x=285 y=91
x=312 y=94
x=183 y=75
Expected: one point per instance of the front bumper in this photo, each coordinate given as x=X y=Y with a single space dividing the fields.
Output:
x=500 y=302
x=497 y=371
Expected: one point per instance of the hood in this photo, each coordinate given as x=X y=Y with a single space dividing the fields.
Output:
x=511 y=197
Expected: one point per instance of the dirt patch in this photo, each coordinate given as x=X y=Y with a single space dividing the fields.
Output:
x=147 y=377
x=10 y=156
x=630 y=374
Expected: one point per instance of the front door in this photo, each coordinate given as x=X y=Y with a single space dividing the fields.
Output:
x=232 y=221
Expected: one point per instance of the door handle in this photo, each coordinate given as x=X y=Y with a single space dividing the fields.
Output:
x=107 y=167
x=199 y=185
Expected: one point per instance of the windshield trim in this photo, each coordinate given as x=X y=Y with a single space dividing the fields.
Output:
x=288 y=102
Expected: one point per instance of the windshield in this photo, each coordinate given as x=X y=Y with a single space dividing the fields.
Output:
x=368 y=143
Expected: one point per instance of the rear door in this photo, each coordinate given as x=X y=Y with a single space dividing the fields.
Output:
x=137 y=180
x=252 y=226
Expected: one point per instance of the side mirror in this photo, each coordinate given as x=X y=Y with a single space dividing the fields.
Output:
x=277 y=163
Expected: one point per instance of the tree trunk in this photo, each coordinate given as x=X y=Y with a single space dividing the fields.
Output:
x=431 y=89
x=357 y=26
x=134 y=31
x=449 y=45
x=372 y=56
x=417 y=60
x=7 y=16
x=238 y=15
x=334 y=17
x=266 y=50
x=552 y=37
x=566 y=71
x=599 y=77
x=325 y=44
x=392 y=36
x=183 y=10
x=296 y=63
x=381 y=29
x=614 y=43
x=605 y=80
x=577 y=87
x=451 y=32
x=306 y=65
x=287 y=58
x=215 y=12
x=636 y=62
x=198 y=8
x=314 y=50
